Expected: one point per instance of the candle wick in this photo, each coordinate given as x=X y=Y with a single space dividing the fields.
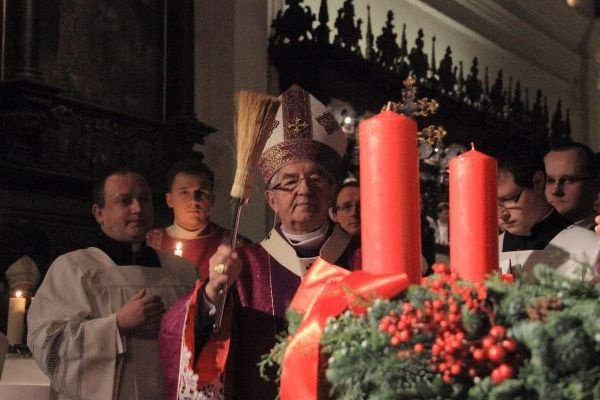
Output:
x=472 y=146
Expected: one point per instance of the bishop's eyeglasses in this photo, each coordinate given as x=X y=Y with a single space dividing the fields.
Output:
x=290 y=183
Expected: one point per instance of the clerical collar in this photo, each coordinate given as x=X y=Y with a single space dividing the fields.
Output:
x=541 y=234
x=307 y=244
x=123 y=253
x=179 y=232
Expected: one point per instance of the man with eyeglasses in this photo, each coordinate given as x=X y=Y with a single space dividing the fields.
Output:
x=299 y=164
x=534 y=232
x=571 y=182
x=346 y=211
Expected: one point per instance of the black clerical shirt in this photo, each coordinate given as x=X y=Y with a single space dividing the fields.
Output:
x=541 y=234
x=122 y=253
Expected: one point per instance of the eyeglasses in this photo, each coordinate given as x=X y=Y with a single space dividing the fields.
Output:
x=291 y=182
x=347 y=208
x=567 y=180
x=510 y=201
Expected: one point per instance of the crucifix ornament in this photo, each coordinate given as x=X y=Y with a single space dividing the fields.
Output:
x=413 y=107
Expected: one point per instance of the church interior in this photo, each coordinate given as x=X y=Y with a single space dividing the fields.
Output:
x=87 y=86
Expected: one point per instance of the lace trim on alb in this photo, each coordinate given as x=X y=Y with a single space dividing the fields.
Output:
x=188 y=382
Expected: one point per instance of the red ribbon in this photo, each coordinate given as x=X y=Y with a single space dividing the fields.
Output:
x=323 y=293
x=212 y=358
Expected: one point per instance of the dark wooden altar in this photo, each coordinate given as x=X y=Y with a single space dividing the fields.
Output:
x=87 y=88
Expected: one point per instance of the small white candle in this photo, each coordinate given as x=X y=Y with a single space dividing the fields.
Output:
x=178 y=249
x=16 y=317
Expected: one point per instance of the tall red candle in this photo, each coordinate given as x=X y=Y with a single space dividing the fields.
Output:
x=389 y=196
x=473 y=215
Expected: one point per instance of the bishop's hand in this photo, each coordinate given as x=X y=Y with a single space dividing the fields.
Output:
x=224 y=268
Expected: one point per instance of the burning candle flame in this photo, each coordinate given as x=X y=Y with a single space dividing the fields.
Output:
x=178 y=249
x=18 y=293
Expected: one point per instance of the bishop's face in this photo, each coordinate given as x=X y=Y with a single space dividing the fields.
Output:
x=301 y=194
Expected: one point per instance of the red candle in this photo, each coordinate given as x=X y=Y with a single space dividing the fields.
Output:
x=473 y=215
x=389 y=196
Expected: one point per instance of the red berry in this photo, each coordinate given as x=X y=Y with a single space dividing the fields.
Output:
x=395 y=340
x=498 y=332
x=391 y=329
x=496 y=353
x=510 y=345
x=404 y=335
x=446 y=378
x=487 y=342
x=505 y=370
x=478 y=354
x=448 y=348
x=472 y=372
x=454 y=317
x=455 y=369
x=419 y=348
x=497 y=376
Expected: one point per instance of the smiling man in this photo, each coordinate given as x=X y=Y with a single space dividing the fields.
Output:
x=534 y=232
x=299 y=163
x=93 y=323
x=572 y=183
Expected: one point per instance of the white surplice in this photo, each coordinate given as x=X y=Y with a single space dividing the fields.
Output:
x=72 y=328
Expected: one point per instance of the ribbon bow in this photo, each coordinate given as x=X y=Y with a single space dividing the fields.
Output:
x=323 y=294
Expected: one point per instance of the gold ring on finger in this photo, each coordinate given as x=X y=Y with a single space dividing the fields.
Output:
x=219 y=268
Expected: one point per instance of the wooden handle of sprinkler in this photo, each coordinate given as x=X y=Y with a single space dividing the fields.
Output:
x=222 y=295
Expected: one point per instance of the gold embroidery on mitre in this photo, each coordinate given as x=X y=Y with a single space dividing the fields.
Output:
x=297 y=150
x=328 y=122
x=296 y=115
x=296 y=125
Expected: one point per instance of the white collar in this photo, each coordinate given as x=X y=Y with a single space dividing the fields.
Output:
x=178 y=232
x=303 y=239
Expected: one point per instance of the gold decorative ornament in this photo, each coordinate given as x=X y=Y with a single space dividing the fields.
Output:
x=413 y=107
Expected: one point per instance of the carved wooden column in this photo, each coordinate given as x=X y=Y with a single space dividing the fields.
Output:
x=27 y=40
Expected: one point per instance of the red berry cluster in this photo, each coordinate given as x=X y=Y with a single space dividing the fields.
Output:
x=495 y=351
x=439 y=324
